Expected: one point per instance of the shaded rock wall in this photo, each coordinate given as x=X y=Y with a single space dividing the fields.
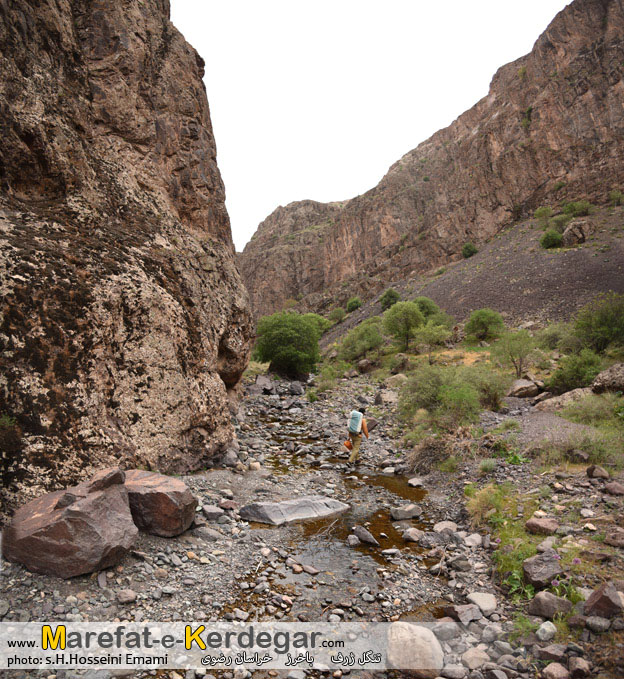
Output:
x=550 y=129
x=124 y=325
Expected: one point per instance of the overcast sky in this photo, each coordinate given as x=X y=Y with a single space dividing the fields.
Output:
x=316 y=99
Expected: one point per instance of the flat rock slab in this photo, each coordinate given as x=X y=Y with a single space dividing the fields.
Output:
x=160 y=504
x=71 y=532
x=299 y=509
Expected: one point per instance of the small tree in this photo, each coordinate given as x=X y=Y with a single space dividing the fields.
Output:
x=390 y=297
x=322 y=324
x=515 y=349
x=353 y=304
x=551 y=239
x=427 y=306
x=485 y=324
x=401 y=320
x=616 y=197
x=289 y=341
x=336 y=315
x=469 y=250
x=543 y=214
x=360 y=340
x=430 y=336
x=601 y=322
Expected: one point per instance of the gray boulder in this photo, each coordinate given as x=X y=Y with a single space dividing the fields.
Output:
x=365 y=536
x=540 y=570
x=298 y=509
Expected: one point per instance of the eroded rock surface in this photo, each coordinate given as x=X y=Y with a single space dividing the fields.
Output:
x=124 y=326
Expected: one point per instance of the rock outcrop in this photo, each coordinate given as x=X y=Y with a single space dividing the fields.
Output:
x=550 y=129
x=124 y=325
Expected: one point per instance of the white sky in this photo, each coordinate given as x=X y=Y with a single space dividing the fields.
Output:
x=316 y=99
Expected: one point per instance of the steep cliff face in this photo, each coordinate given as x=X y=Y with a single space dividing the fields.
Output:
x=550 y=129
x=124 y=325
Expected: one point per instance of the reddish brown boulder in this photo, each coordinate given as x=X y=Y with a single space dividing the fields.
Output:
x=160 y=504
x=541 y=526
x=614 y=488
x=70 y=532
x=605 y=601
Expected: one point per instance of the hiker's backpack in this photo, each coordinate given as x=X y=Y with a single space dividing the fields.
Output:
x=355 y=422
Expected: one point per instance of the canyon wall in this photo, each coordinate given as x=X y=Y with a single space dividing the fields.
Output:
x=124 y=325
x=550 y=129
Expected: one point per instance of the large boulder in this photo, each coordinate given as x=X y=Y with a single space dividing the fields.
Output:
x=523 y=389
x=386 y=397
x=577 y=232
x=160 y=504
x=557 y=403
x=298 y=509
x=396 y=381
x=540 y=570
x=541 y=525
x=71 y=532
x=415 y=648
x=611 y=379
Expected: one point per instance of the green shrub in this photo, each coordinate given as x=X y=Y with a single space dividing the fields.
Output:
x=427 y=306
x=289 y=341
x=543 y=214
x=389 y=298
x=484 y=324
x=515 y=349
x=553 y=335
x=551 y=239
x=616 y=197
x=447 y=398
x=469 y=250
x=353 y=304
x=401 y=320
x=322 y=324
x=336 y=315
x=575 y=371
x=605 y=411
x=488 y=466
x=431 y=336
x=579 y=208
x=491 y=385
x=360 y=340
x=559 y=223
x=600 y=323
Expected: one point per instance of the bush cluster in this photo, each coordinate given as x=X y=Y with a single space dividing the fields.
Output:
x=353 y=304
x=389 y=298
x=360 y=340
x=575 y=371
x=485 y=324
x=468 y=250
x=551 y=239
x=336 y=315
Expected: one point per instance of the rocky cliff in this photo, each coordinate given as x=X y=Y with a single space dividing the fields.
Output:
x=550 y=129
x=124 y=325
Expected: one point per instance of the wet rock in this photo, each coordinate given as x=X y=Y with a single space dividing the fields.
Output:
x=541 y=526
x=484 y=600
x=412 y=535
x=365 y=536
x=416 y=648
x=540 y=570
x=548 y=605
x=404 y=512
x=611 y=379
x=606 y=601
x=614 y=488
x=523 y=389
x=596 y=472
x=546 y=631
x=86 y=528
x=160 y=505
x=298 y=509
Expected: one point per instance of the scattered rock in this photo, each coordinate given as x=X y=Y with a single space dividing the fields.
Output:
x=606 y=601
x=415 y=482
x=546 y=631
x=579 y=668
x=441 y=526
x=541 y=526
x=296 y=389
x=412 y=534
x=474 y=658
x=555 y=671
x=596 y=472
x=160 y=505
x=414 y=647
x=396 y=381
x=548 y=605
x=126 y=596
x=485 y=601
x=410 y=511
x=277 y=513
x=523 y=389
x=365 y=536
x=540 y=570
x=614 y=488
x=615 y=537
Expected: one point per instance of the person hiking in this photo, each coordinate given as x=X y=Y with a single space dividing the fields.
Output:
x=357 y=427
